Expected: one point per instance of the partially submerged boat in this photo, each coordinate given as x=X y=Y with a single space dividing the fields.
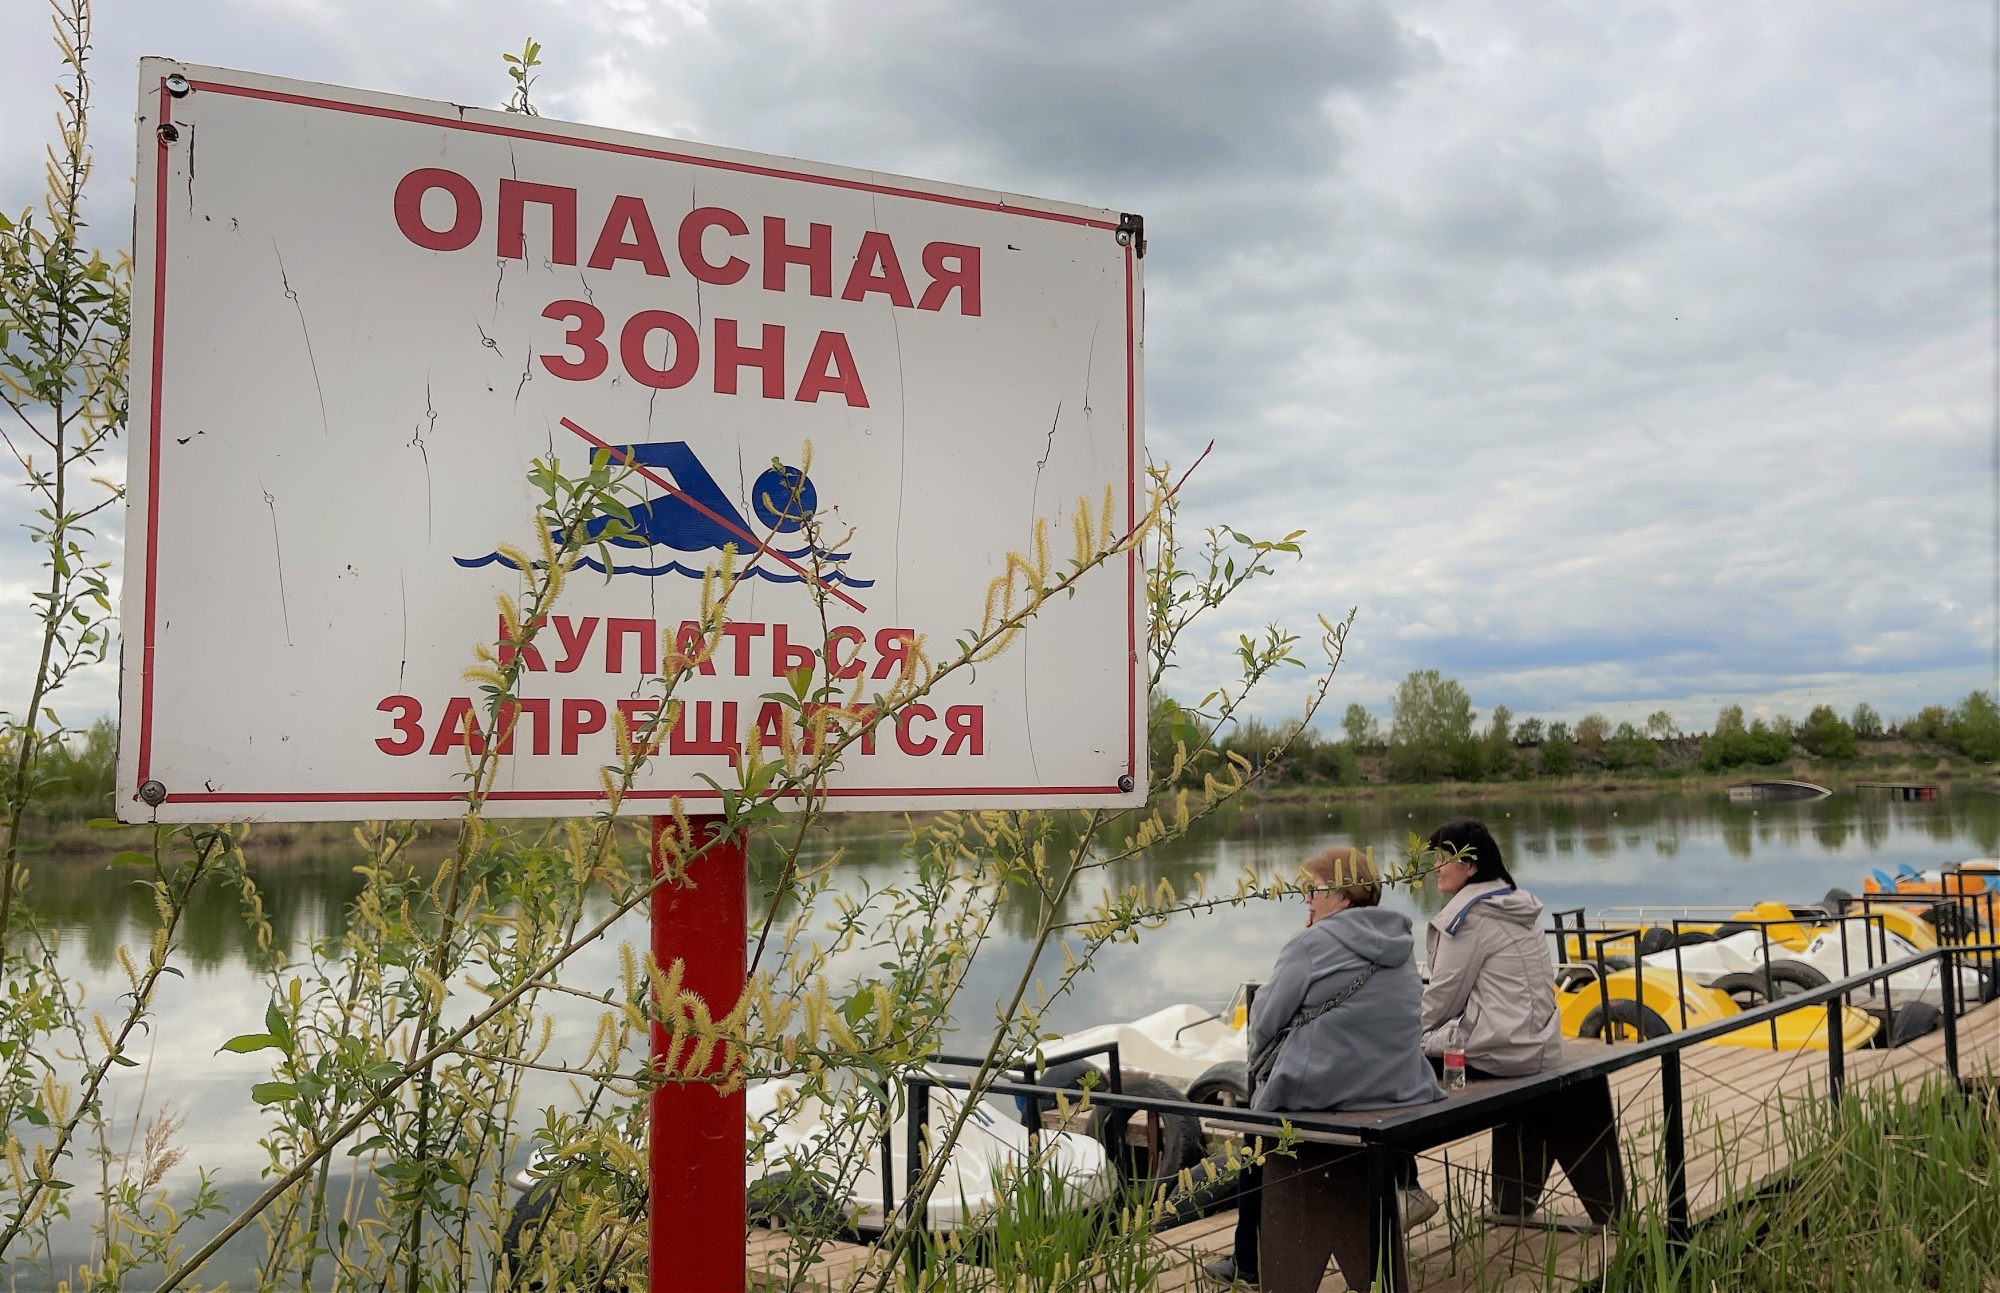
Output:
x=1777 y=792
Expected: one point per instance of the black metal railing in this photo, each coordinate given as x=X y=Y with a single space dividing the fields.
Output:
x=1484 y=1105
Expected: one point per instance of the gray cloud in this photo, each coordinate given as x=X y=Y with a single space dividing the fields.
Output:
x=1612 y=357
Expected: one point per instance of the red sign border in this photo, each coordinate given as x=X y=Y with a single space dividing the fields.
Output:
x=159 y=284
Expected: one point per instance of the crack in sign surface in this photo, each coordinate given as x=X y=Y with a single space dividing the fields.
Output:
x=278 y=547
x=293 y=297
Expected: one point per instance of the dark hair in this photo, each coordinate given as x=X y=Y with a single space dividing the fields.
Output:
x=1468 y=835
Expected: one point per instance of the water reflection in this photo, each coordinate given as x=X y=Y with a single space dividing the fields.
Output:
x=1590 y=851
x=1600 y=849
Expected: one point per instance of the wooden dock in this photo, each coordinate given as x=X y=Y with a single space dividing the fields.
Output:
x=1733 y=1138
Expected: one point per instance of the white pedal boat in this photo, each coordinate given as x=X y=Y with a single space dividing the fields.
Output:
x=1743 y=954
x=1180 y=1043
x=990 y=1142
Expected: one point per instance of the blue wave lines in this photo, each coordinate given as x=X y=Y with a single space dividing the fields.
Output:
x=676 y=568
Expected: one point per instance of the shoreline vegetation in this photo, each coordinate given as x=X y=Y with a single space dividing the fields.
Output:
x=1435 y=749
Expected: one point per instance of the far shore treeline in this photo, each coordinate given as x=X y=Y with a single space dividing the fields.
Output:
x=1435 y=735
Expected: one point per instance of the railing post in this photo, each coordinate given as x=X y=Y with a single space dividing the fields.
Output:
x=1383 y=1225
x=888 y=1163
x=1836 y=1049
x=1673 y=1147
x=1604 y=997
x=1948 y=998
x=918 y=1097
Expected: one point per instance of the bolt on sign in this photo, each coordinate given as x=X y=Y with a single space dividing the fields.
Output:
x=359 y=319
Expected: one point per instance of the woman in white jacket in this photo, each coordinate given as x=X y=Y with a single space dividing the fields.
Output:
x=1491 y=978
x=1493 y=986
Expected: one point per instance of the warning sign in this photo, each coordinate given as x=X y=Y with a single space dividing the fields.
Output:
x=359 y=319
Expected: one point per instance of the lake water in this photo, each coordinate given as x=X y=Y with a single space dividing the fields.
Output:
x=1608 y=849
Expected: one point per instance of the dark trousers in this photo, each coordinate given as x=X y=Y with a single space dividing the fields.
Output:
x=1316 y=1206
x=1577 y=1127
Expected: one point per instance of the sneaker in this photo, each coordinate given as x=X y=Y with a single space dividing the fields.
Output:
x=1418 y=1207
x=1223 y=1271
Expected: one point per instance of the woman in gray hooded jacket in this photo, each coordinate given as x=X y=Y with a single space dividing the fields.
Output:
x=1362 y=1051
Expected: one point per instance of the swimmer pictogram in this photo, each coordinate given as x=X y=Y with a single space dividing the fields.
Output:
x=693 y=514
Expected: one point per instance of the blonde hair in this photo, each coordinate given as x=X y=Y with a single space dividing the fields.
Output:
x=1347 y=871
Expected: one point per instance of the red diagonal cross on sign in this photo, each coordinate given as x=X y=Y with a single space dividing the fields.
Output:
x=759 y=549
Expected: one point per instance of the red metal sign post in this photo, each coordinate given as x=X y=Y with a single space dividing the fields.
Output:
x=695 y=1209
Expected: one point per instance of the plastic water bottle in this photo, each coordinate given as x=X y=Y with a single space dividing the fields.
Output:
x=1454 y=1059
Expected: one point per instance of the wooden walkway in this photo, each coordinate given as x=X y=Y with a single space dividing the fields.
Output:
x=1733 y=1138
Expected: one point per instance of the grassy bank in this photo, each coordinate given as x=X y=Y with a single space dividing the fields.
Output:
x=1891 y=1189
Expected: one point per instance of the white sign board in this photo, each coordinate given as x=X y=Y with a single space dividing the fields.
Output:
x=358 y=319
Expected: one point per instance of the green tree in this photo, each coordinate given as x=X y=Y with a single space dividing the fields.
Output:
x=1729 y=720
x=1975 y=727
x=1626 y=748
x=1558 y=754
x=1734 y=748
x=84 y=768
x=1660 y=724
x=1591 y=733
x=1299 y=755
x=1432 y=725
x=1866 y=722
x=1769 y=745
x=1497 y=758
x=1931 y=723
x=1559 y=731
x=1529 y=732
x=1363 y=732
x=1825 y=735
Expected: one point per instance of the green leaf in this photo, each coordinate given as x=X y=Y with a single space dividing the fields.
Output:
x=272 y=1092
x=131 y=857
x=131 y=1063
x=106 y=824
x=281 y=1032
x=249 y=1043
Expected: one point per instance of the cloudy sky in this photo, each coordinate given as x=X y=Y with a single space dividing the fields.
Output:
x=1619 y=355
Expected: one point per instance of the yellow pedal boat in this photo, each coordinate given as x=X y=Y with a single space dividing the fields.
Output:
x=1580 y=1002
